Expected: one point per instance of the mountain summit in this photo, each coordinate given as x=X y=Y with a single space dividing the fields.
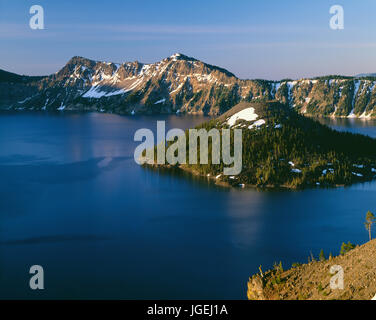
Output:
x=179 y=83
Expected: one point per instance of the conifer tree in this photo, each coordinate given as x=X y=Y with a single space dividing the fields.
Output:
x=370 y=219
x=322 y=255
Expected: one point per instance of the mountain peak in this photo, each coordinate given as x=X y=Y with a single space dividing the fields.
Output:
x=176 y=55
x=78 y=59
x=179 y=56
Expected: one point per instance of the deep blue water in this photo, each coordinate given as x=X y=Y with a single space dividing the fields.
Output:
x=73 y=200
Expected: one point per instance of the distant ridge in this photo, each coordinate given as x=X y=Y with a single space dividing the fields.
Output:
x=179 y=84
x=6 y=76
x=365 y=75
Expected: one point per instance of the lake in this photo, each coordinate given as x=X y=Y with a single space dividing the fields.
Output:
x=73 y=200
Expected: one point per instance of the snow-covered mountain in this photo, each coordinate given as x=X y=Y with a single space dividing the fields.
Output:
x=179 y=84
x=175 y=84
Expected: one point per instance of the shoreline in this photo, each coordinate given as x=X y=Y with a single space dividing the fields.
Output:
x=181 y=113
x=225 y=184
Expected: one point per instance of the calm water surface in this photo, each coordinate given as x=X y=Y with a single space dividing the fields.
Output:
x=73 y=200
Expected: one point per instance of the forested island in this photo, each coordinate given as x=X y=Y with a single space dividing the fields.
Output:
x=283 y=149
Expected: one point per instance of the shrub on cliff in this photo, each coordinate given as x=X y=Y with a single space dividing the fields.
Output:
x=346 y=247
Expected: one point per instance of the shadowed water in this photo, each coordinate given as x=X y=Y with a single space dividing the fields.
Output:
x=73 y=200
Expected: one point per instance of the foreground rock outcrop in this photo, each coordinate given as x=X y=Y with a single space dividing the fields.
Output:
x=312 y=281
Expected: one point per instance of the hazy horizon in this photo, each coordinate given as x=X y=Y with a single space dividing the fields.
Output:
x=251 y=39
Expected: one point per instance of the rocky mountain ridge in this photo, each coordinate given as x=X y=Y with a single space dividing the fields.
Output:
x=180 y=84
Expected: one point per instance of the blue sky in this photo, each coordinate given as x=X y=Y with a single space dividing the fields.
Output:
x=253 y=39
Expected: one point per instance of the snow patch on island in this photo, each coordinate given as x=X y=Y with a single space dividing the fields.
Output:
x=257 y=124
x=247 y=114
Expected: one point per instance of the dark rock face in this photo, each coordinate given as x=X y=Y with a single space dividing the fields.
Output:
x=14 y=88
x=178 y=84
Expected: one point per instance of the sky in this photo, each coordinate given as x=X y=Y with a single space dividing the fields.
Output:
x=253 y=39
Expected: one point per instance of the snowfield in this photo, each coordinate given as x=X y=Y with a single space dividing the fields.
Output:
x=247 y=114
x=96 y=93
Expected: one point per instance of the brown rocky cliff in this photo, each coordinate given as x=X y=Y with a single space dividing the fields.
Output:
x=312 y=281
